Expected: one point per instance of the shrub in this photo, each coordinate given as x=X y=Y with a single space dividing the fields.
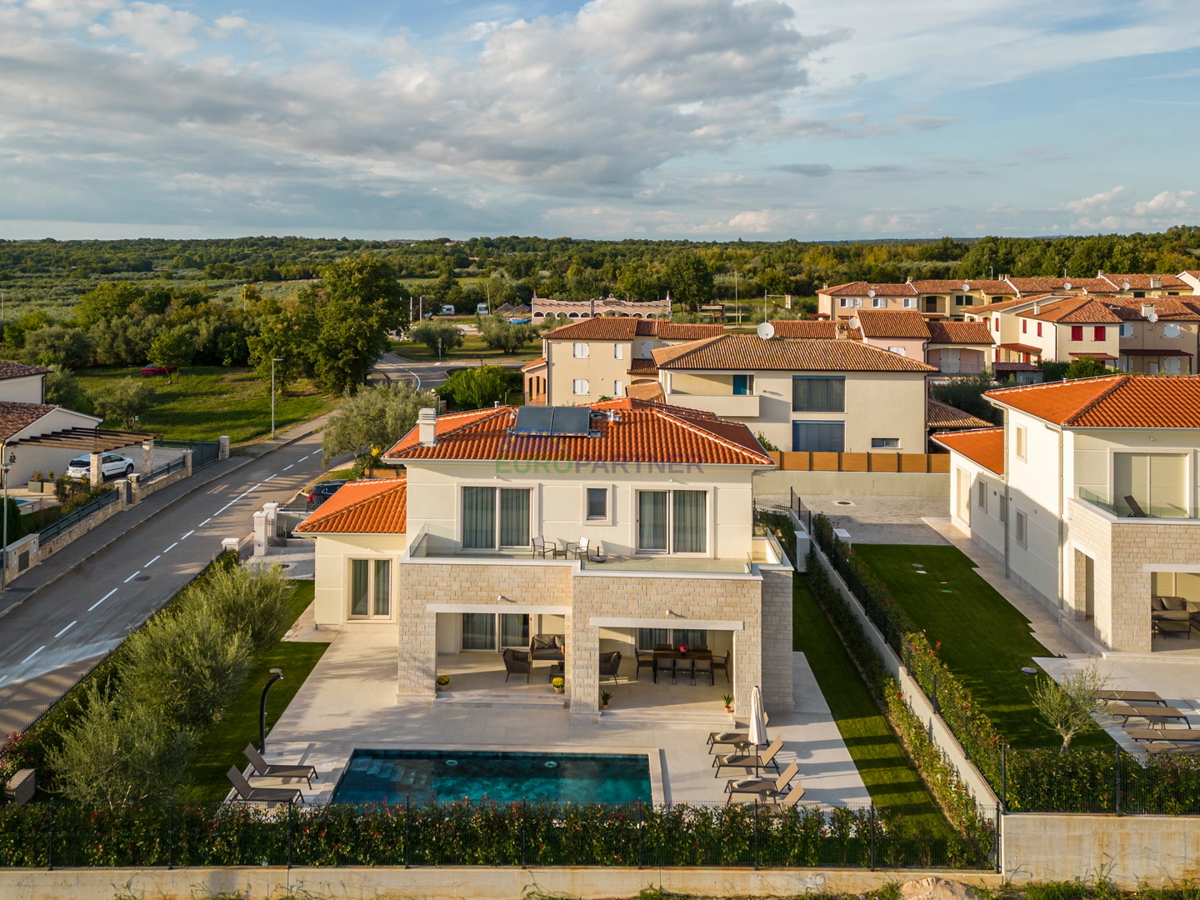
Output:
x=251 y=601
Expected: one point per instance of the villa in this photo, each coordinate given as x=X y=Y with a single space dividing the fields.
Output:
x=571 y=534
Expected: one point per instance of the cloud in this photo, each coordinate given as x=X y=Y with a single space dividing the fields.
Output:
x=1109 y=211
x=1096 y=201
x=812 y=170
x=152 y=26
x=1166 y=202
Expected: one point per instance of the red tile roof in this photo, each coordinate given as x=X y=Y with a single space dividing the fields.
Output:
x=1046 y=285
x=15 y=417
x=642 y=367
x=748 y=351
x=1142 y=282
x=864 y=288
x=645 y=390
x=805 y=328
x=377 y=506
x=19 y=370
x=1111 y=401
x=537 y=363
x=1021 y=348
x=626 y=328
x=893 y=324
x=641 y=432
x=951 y=286
x=942 y=415
x=942 y=332
x=1076 y=311
x=985 y=446
x=1169 y=309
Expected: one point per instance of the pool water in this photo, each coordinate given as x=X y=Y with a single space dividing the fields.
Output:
x=423 y=776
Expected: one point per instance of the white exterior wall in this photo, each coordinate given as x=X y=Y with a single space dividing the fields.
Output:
x=1034 y=489
x=32 y=459
x=332 y=578
x=27 y=389
x=601 y=369
x=981 y=523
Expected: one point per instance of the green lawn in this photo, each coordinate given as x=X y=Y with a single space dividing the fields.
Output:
x=206 y=402
x=221 y=746
x=885 y=768
x=472 y=350
x=984 y=639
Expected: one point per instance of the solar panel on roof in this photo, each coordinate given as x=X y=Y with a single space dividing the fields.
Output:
x=553 y=420
x=572 y=420
x=534 y=420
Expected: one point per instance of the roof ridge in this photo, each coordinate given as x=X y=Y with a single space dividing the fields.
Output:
x=689 y=424
x=1118 y=382
x=316 y=515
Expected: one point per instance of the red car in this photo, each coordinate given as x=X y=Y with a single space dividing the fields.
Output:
x=159 y=370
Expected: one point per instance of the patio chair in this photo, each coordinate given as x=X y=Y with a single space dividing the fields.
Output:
x=683 y=668
x=248 y=794
x=1135 y=508
x=762 y=787
x=723 y=665
x=664 y=664
x=782 y=804
x=645 y=660
x=268 y=770
x=700 y=667
x=749 y=760
x=517 y=662
x=610 y=664
x=545 y=646
x=580 y=549
x=541 y=548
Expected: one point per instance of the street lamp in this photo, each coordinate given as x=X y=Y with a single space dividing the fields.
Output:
x=273 y=361
x=276 y=675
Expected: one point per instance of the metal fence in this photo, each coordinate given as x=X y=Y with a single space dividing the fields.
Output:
x=204 y=453
x=167 y=468
x=479 y=834
x=76 y=516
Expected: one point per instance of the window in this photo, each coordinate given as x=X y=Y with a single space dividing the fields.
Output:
x=647 y=349
x=618 y=389
x=483 y=518
x=962 y=300
x=819 y=437
x=370 y=588
x=1139 y=294
x=1156 y=482
x=899 y=351
x=1024 y=326
x=818 y=393
x=1020 y=441
x=1125 y=330
x=1171 y=330
x=981 y=495
x=1099 y=333
x=910 y=302
x=1039 y=329
x=618 y=351
x=479 y=630
x=879 y=302
x=1003 y=508
x=597 y=503
x=1171 y=365
x=950 y=360
x=581 y=351
x=1022 y=528
x=649 y=638
x=672 y=521
x=844 y=302
x=580 y=385
x=1077 y=332
x=885 y=443
x=995 y=323
x=743 y=385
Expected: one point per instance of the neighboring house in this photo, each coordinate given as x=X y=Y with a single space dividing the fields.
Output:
x=44 y=438
x=1089 y=496
x=1138 y=286
x=599 y=358
x=21 y=383
x=442 y=558
x=1063 y=331
x=1191 y=278
x=802 y=394
x=1158 y=334
x=587 y=309
x=843 y=300
x=954 y=298
x=942 y=417
x=952 y=347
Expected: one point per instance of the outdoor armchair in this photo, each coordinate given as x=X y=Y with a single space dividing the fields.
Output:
x=268 y=770
x=610 y=664
x=517 y=662
x=541 y=548
x=546 y=646
x=723 y=664
x=645 y=660
x=248 y=794
x=749 y=760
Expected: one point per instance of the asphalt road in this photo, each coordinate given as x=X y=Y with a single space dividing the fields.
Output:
x=60 y=631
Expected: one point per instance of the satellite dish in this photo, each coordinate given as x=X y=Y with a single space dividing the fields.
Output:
x=766 y=331
x=1067 y=285
x=871 y=293
x=966 y=287
x=1153 y=317
x=1125 y=286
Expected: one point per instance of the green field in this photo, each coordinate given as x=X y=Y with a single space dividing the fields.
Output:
x=984 y=639
x=885 y=768
x=221 y=746
x=206 y=402
x=472 y=350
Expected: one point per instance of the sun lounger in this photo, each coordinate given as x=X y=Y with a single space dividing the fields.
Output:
x=1167 y=735
x=248 y=794
x=732 y=738
x=749 y=760
x=1138 y=697
x=761 y=788
x=270 y=770
x=786 y=802
x=1153 y=714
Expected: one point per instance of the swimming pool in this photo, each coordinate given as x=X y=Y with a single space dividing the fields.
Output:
x=423 y=776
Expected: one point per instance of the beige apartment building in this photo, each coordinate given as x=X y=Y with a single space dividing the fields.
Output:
x=600 y=358
x=1158 y=335
x=954 y=348
x=610 y=528
x=1090 y=496
x=802 y=394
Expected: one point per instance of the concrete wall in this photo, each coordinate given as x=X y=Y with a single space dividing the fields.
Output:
x=602 y=369
x=332 y=560
x=854 y=484
x=27 y=389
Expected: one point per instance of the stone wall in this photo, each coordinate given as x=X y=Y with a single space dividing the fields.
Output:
x=777 y=604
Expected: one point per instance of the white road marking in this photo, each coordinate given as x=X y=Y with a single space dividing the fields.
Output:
x=276 y=475
x=202 y=524
x=102 y=599
x=172 y=547
x=68 y=628
x=186 y=536
x=133 y=576
x=152 y=562
x=236 y=499
x=33 y=654
x=285 y=468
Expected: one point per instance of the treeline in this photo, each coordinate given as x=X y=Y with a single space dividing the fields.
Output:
x=513 y=269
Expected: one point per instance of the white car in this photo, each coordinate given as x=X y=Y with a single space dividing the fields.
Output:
x=110 y=464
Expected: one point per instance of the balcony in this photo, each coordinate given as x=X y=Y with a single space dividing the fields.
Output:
x=735 y=406
x=1154 y=509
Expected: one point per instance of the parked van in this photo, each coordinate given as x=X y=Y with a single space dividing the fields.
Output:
x=481 y=309
x=447 y=309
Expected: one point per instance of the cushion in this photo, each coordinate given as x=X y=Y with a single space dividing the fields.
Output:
x=1156 y=603
x=729 y=736
x=1174 y=603
x=545 y=643
x=749 y=782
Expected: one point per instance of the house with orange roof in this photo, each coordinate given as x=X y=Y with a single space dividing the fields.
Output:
x=933 y=297
x=803 y=394
x=1138 y=286
x=1158 y=334
x=1063 y=330
x=598 y=358
x=952 y=346
x=1090 y=497
x=576 y=539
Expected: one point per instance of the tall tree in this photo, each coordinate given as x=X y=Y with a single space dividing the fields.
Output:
x=689 y=279
x=370 y=422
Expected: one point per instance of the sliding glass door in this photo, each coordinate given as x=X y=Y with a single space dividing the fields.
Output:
x=672 y=522
x=483 y=518
x=479 y=631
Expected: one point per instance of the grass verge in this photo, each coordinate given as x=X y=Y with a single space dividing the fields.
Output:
x=206 y=402
x=472 y=350
x=984 y=640
x=221 y=746
x=885 y=768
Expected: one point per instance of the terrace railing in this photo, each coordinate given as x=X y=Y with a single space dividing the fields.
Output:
x=59 y=525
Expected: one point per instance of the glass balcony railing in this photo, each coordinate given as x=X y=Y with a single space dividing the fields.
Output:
x=1123 y=509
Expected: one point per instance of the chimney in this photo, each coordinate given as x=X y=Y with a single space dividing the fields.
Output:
x=427 y=427
x=1147 y=310
x=1155 y=283
x=1037 y=309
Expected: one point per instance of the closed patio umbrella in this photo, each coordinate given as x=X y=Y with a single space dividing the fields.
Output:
x=758 y=722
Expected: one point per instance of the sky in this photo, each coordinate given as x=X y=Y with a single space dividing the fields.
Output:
x=700 y=119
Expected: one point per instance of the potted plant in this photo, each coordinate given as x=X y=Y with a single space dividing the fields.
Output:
x=558 y=684
x=727 y=699
x=35 y=483
x=442 y=682
x=605 y=696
